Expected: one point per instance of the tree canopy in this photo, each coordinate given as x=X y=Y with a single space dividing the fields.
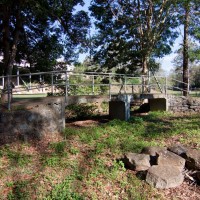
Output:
x=40 y=31
x=132 y=33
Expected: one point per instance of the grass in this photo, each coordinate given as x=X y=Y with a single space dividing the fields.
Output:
x=83 y=162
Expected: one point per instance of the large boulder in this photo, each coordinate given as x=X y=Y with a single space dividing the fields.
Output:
x=192 y=156
x=138 y=162
x=167 y=158
x=164 y=177
x=193 y=159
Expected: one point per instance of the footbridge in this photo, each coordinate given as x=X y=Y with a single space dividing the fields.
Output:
x=84 y=87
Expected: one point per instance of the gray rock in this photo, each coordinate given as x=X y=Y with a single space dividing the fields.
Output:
x=138 y=162
x=167 y=158
x=178 y=149
x=164 y=177
x=153 y=152
x=192 y=156
x=193 y=159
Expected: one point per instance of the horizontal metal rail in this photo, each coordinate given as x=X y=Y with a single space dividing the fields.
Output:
x=93 y=80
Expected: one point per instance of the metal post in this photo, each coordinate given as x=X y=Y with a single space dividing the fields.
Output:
x=66 y=86
x=93 y=84
x=17 y=76
x=125 y=83
x=142 y=80
x=110 y=86
x=52 y=86
x=30 y=81
x=3 y=81
x=9 y=92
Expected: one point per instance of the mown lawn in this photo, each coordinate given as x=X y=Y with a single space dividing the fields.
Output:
x=83 y=162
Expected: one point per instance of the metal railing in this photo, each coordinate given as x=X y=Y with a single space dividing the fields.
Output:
x=87 y=83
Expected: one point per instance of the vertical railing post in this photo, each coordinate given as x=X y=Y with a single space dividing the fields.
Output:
x=3 y=81
x=17 y=76
x=52 y=85
x=142 y=80
x=66 y=86
x=9 y=92
x=125 y=81
x=93 y=84
x=30 y=81
x=165 y=85
x=109 y=86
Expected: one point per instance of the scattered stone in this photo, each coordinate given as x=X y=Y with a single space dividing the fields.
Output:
x=192 y=156
x=138 y=162
x=167 y=158
x=193 y=159
x=164 y=177
x=153 y=152
x=178 y=149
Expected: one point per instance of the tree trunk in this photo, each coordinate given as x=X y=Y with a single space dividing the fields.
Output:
x=9 y=51
x=185 y=53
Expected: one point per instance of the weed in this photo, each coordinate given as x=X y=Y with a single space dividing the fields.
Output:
x=19 y=191
x=74 y=150
x=64 y=191
x=59 y=147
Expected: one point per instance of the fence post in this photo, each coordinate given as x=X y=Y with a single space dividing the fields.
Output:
x=9 y=92
x=142 y=80
x=66 y=86
x=165 y=85
x=30 y=81
x=125 y=83
x=93 y=84
x=3 y=81
x=17 y=76
x=109 y=86
x=52 y=86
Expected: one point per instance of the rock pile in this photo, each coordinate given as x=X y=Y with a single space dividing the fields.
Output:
x=165 y=167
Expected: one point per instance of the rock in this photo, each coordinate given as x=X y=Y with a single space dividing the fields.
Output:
x=138 y=162
x=178 y=149
x=192 y=156
x=164 y=177
x=167 y=158
x=153 y=152
x=192 y=159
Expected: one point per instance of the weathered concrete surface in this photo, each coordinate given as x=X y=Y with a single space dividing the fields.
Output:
x=158 y=104
x=33 y=119
x=164 y=177
x=192 y=156
x=138 y=162
x=86 y=99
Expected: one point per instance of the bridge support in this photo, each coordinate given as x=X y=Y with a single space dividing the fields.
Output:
x=119 y=107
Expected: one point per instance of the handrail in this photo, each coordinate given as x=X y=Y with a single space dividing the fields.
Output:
x=123 y=80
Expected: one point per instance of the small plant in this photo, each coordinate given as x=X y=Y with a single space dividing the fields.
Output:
x=59 y=147
x=80 y=110
x=51 y=161
x=19 y=191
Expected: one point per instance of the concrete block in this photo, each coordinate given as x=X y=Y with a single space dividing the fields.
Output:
x=159 y=104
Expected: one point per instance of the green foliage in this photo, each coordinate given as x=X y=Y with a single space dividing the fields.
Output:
x=33 y=28
x=19 y=191
x=64 y=191
x=17 y=158
x=131 y=38
x=80 y=110
x=58 y=147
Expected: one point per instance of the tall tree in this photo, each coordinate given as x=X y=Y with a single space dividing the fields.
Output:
x=31 y=28
x=133 y=32
x=189 y=17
